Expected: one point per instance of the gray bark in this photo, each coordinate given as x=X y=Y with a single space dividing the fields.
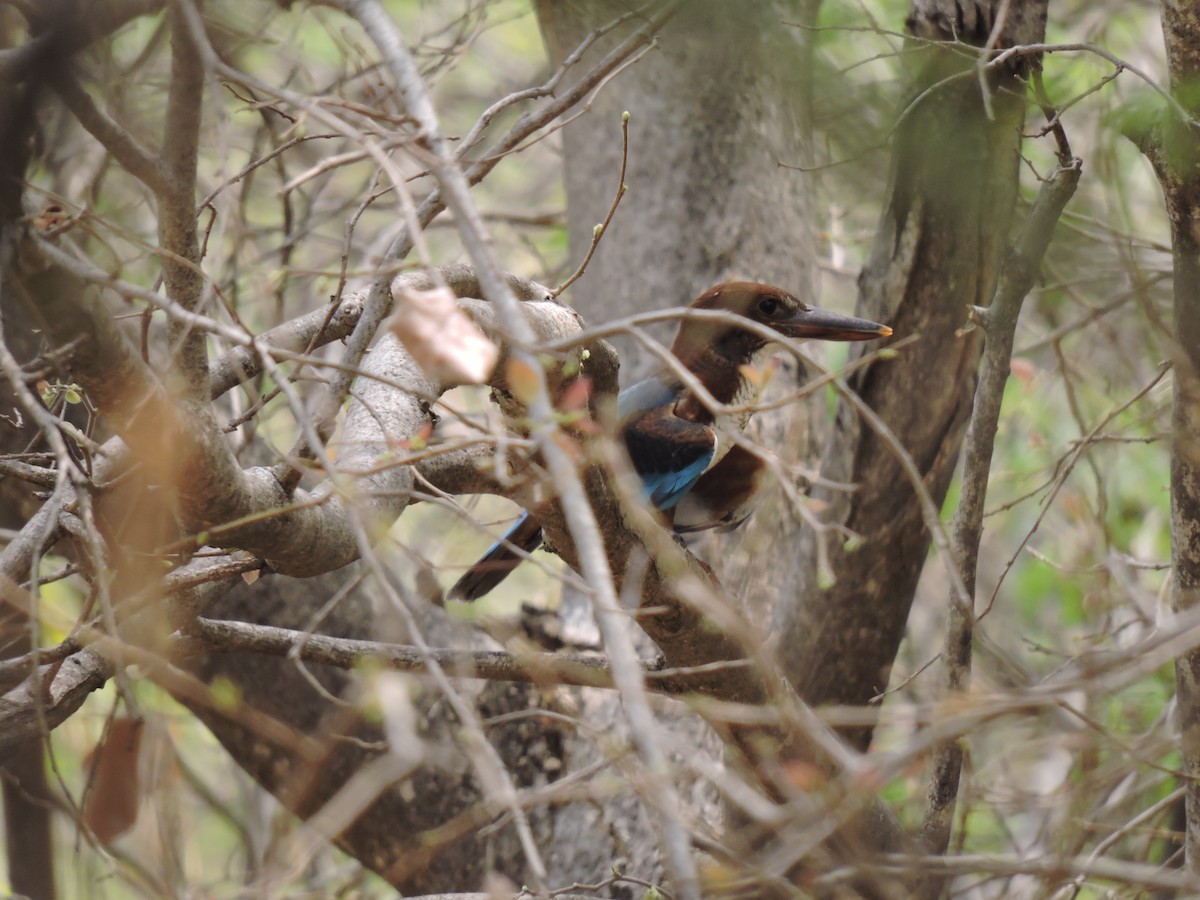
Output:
x=707 y=202
x=386 y=837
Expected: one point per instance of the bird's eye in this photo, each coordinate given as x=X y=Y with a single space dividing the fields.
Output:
x=768 y=306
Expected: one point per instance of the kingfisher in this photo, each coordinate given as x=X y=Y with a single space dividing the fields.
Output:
x=684 y=450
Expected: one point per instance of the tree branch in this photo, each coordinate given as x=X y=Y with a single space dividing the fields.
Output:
x=183 y=279
x=1174 y=155
x=42 y=704
x=1000 y=323
x=938 y=250
x=223 y=636
x=248 y=509
x=138 y=160
x=59 y=37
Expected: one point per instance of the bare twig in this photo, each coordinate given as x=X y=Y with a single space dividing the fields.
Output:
x=598 y=233
x=1000 y=322
x=210 y=635
x=1049 y=866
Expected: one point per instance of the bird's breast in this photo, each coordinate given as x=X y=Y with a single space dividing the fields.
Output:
x=726 y=426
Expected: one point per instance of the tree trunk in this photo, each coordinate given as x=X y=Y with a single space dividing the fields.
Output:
x=1175 y=152
x=26 y=792
x=387 y=837
x=937 y=252
x=707 y=202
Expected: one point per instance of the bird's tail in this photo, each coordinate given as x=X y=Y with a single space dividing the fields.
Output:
x=493 y=567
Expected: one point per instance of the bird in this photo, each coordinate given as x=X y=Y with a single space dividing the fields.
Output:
x=691 y=467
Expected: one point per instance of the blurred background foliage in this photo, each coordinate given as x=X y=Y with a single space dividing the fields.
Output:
x=1077 y=544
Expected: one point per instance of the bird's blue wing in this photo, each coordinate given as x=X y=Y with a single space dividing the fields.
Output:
x=649 y=394
x=665 y=489
x=669 y=453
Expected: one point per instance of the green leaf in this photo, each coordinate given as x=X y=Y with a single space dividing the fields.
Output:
x=226 y=695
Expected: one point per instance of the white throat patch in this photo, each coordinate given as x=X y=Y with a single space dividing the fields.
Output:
x=727 y=424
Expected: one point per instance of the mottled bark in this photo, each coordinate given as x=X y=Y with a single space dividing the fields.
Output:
x=441 y=786
x=937 y=252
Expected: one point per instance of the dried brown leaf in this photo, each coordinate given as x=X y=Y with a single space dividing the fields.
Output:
x=443 y=340
x=111 y=805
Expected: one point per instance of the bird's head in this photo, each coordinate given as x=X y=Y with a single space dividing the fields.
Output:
x=771 y=307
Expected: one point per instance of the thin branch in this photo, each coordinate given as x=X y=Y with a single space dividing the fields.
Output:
x=1036 y=50
x=1048 y=866
x=600 y=229
x=177 y=231
x=1064 y=468
x=546 y=89
x=211 y=635
x=1000 y=323
x=134 y=157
